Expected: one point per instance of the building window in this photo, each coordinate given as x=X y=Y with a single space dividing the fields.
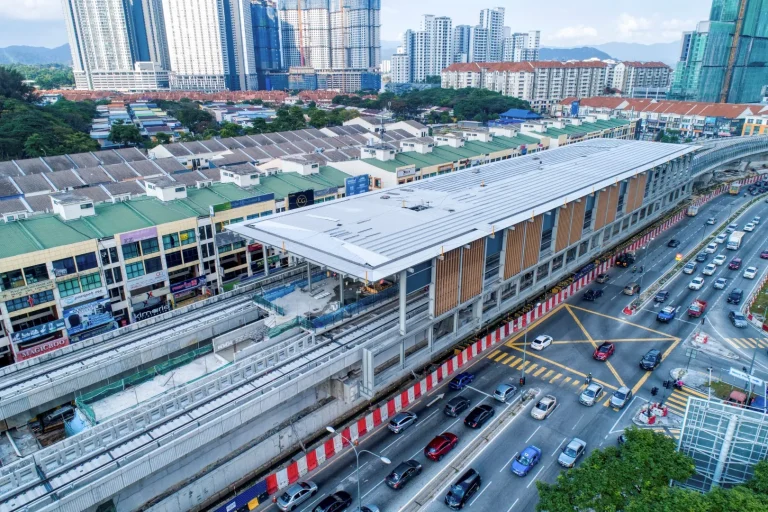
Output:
x=548 y=226
x=190 y=255
x=588 y=209
x=153 y=264
x=64 y=267
x=69 y=287
x=118 y=275
x=200 y=232
x=171 y=241
x=133 y=270
x=35 y=274
x=90 y=281
x=622 y=195
x=104 y=257
x=509 y=291
x=583 y=248
x=108 y=276
x=542 y=271
x=570 y=256
x=29 y=301
x=113 y=255
x=12 y=279
x=527 y=281
x=86 y=261
x=204 y=247
x=173 y=259
x=557 y=263
x=131 y=250
x=187 y=237
x=150 y=246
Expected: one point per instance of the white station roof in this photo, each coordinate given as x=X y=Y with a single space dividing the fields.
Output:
x=377 y=234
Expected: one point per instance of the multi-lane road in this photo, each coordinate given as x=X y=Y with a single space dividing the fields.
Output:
x=576 y=327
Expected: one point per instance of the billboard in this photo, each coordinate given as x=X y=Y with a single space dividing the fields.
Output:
x=189 y=284
x=357 y=185
x=301 y=199
x=40 y=349
x=574 y=109
x=222 y=207
x=147 y=280
x=157 y=309
x=37 y=331
x=87 y=316
x=96 y=293
x=138 y=235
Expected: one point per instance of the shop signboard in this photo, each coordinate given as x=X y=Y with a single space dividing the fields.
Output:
x=402 y=173
x=357 y=185
x=37 y=331
x=301 y=199
x=223 y=207
x=147 y=280
x=189 y=284
x=138 y=235
x=23 y=291
x=151 y=296
x=42 y=348
x=96 y=293
x=87 y=316
x=158 y=309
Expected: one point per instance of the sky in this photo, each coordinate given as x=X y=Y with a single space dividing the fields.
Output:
x=562 y=22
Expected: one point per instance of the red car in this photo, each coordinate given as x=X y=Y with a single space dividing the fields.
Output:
x=604 y=351
x=735 y=264
x=764 y=254
x=440 y=445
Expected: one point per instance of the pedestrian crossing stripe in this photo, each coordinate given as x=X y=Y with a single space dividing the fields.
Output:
x=530 y=368
x=566 y=380
x=748 y=342
x=550 y=372
x=509 y=358
x=525 y=364
x=539 y=371
x=493 y=354
x=575 y=382
x=515 y=362
x=500 y=357
x=555 y=378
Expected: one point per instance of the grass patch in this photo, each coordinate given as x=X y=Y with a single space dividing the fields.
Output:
x=722 y=390
x=761 y=301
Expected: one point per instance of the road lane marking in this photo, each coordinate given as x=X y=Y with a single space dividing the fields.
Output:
x=315 y=501
x=566 y=380
x=558 y=446
x=481 y=492
x=556 y=377
x=535 y=477
x=594 y=344
x=509 y=358
x=354 y=471
x=515 y=362
x=493 y=354
x=566 y=368
x=641 y=327
x=372 y=489
x=513 y=505
x=508 y=462
x=577 y=422
x=550 y=372
x=411 y=430
x=500 y=357
x=481 y=392
x=534 y=433
x=525 y=364
x=540 y=371
x=575 y=382
x=531 y=368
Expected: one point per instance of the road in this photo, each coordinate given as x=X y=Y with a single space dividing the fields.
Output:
x=577 y=328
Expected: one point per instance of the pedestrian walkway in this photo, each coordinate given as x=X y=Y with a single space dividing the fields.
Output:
x=678 y=399
x=748 y=342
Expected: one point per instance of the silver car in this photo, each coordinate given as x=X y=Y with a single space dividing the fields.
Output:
x=572 y=452
x=401 y=421
x=504 y=392
x=592 y=394
x=295 y=495
x=621 y=397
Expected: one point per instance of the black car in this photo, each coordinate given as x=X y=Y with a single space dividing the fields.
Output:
x=456 y=406
x=673 y=243
x=735 y=296
x=701 y=257
x=661 y=296
x=592 y=294
x=403 y=474
x=479 y=415
x=651 y=359
x=626 y=259
x=460 y=492
x=335 y=502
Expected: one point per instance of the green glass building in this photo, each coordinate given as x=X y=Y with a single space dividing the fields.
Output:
x=726 y=58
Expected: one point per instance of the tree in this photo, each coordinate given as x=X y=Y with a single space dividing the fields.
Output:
x=230 y=129
x=162 y=138
x=46 y=76
x=35 y=146
x=124 y=134
x=12 y=86
x=433 y=79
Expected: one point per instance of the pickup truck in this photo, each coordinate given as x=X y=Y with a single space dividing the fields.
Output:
x=696 y=308
x=667 y=314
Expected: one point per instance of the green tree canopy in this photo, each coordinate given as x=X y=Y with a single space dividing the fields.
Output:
x=124 y=133
x=12 y=86
x=46 y=76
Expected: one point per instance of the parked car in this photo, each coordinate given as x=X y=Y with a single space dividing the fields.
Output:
x=701 y=257
x=709 y=269
x=696 y=283
x=544 y=407
x=720 y=283
x=440 y=445
x=403 y=473
x=750 y=272
x=719 y=259
x=504 y=392
x=604 y=351
x=542 y=341
x=737 y=319
x=479 y=415
x=592 y=294
x=402 y=421
x=602 y=278
x=526 y=460
x=735 y=264
x=651 y=359
x=461 y=381
x=689 y=268
x=464 y=488
x=295 y=495
x=735 y=296
x=572 y=452
x=661 y=296
x=673 y=243
x=337 y=501
x=621 y=397
x=592 y=394
x=456 y=406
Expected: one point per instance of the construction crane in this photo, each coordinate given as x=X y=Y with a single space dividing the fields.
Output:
x=732 y=54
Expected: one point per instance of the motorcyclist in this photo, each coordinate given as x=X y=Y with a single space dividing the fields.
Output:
x=588 y=379
x=634 y=269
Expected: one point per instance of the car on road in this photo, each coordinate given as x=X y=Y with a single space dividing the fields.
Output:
x=710 y=269
x=737 y=319
x=701 y=257
x=572 y=452
x=402 y=421
x=719 y=259
x=626 y=259
x=764 y=255
x=504 y=392
x=689 y=268
x=621 y=397
x=661 y=296
x=673 y=243
x=456 y=406
x=711 y=221
x=720 y=283
x=592 y=294
x=748 y=227
x=711 y=248
x=367 y=508
x=544 y=407
x=295 y=495
x=403 y=473
x=732 y=227
x=667 y=314
x=464 y=488
x=631 y=289
x=592 y=394
x=542 y=341
x=756 y=220
x=479 y=415
x=750 y=272
x=604 y=351
x=602 y=278
x=696 y=283
x=735 y=296
x=735 y=264
x=721 y=238
x=337 y=501
x=461 y=381
x=651 y=360
x=440 y=445
x=526 y=460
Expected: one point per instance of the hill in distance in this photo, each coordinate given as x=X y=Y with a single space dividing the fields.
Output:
x=564 y=54
x=35 y=55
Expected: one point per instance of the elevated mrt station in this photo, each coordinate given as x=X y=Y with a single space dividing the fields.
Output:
x=416 y=268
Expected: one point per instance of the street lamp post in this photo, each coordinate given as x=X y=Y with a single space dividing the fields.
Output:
x=709 y=387
x=357 y=463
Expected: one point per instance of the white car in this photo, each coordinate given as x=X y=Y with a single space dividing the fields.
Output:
x=750 y=272
x=709 y=269
x=721 y=238
x=711 y=248
x=756 y=220
x=719 y=259
x=720 y=283
x=541 y=342
x=749 y=227
x=696 y=284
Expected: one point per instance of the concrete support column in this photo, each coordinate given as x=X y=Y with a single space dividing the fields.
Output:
x=430 y=338
x=455 y=321
x=309 y=276
x=264 y=251
x=402 y=353
x=402 y=304
x=477 y=311
x=341 y=289
x=503 y=255
x=432 y=290
x=724 y=450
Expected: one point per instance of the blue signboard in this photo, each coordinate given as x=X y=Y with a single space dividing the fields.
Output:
x=87 y=316
x=37 y=331
x=357 y=185
x=574 y=109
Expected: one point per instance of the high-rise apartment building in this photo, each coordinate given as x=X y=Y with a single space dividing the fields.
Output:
x=521 y=46
x=210 y=44
x=478 y=44
x=117 y=45
x=492 y=20
x=726 y=58
x=641 y=79
x=461 y=36
x=266 y=37
x=439 y=42
x=400 y=65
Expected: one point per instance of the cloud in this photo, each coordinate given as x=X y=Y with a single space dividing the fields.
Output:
x=578 y=34
x=31 y=10
x=639 y=29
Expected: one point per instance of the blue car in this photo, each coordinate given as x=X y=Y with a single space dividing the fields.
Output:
x=667 y=314
x=524 y=462
x=461 y=381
